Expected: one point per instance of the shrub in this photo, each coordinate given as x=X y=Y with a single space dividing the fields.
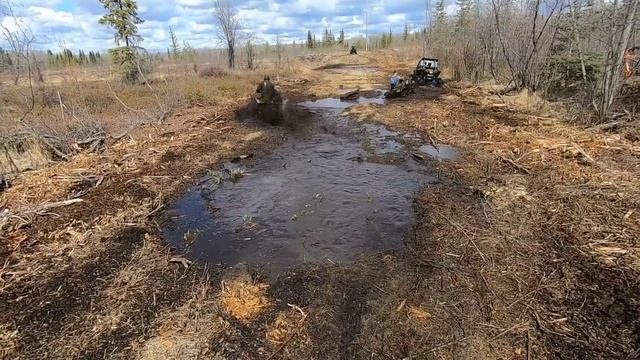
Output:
x=212 y=71
x=566 y=78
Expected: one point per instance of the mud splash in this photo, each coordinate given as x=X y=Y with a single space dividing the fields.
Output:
x=334 y=191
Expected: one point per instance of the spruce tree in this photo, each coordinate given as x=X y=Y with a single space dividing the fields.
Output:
x=67 y=57
x=122 y=15
x=82 y=57
x=405 y=35
x=341 y=37
x=309 y=40
x=175 y=47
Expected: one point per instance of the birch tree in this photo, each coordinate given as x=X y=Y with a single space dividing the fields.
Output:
x=229 y=26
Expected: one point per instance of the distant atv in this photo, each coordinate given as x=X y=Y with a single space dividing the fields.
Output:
x=404 y=88
x=427 y=73
x=353 y=50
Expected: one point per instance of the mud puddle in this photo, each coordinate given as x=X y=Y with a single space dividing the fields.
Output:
x=337 y=104
x=336 y=190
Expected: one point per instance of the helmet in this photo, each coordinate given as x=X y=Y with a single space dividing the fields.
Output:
x=267 y=78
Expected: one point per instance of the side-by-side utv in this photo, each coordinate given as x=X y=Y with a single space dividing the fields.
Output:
x=427 y=72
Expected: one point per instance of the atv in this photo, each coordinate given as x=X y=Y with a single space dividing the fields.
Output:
x=404 y=88
x=353 y=50
x=427 y=73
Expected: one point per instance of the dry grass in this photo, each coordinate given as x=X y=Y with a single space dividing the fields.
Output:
x=212 y=71
x=186 y=332
x=76 y=108
x=286 y=325
x=22 y=154
x=244 y=299
x=526 y=102
x=324 y=76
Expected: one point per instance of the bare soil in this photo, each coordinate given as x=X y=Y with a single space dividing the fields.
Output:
x=526 y=248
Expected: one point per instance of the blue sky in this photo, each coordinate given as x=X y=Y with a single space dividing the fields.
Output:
x=74 y=23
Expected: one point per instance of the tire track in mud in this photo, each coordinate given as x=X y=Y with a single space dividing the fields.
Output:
x=39 y=310
x=336 y=301
x=140 y=319
x=126 y=307
x=350 y=311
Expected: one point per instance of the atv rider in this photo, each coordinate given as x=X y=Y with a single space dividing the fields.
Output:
x=353 y=50
x=267 y=92
x=395 y=80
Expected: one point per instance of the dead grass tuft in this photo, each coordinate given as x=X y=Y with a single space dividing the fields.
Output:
x=418 y=313
x=530 y=103
x=186 y=333
x=22 y=153
x=286 y=325
x=244 y=299
x=212 y=71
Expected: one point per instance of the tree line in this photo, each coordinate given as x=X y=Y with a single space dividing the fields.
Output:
x=328 y=39
x=67 y=58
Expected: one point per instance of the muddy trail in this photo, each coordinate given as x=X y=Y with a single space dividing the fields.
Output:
x=335 y=191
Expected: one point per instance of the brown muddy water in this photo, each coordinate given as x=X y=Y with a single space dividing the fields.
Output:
x=335 y=190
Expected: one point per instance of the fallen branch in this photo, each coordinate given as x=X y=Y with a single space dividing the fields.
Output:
x=6 y=215
x=50 y=206
x=515 y=327
x=580 y=150
x=516 y=165
x=180 y=260
x=91 y=140
x=127 y=107
x=45 y=141
x=606 y=126
x=120 y=136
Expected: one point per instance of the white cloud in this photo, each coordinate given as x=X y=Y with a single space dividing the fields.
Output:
x=194 y=3
x=48 y=16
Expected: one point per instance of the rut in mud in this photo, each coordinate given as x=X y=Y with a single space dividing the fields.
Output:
x=336 y=190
